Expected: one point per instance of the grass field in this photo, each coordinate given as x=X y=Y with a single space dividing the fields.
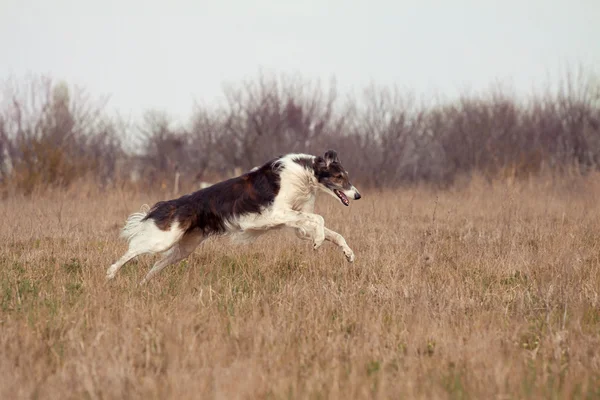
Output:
x=477 y=292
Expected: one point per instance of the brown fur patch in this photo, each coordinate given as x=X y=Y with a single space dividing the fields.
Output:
x=209 y=209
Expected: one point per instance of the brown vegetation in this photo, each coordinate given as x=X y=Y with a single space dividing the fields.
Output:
x=52 y=135
x=487 y=291
x=476 y=241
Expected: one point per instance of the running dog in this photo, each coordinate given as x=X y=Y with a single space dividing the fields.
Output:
x=281 y=193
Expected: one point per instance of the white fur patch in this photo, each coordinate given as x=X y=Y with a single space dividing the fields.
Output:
x=298 y=185
x=146 y=236
x=133 y=225
x=351 y=193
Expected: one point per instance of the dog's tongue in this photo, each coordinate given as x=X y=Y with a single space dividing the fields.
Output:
x=343 y=197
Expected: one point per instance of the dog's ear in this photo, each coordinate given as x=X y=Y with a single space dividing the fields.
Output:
x=331 y=157
x=320 y=163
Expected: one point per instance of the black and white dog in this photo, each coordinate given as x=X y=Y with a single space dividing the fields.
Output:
x=280 y=193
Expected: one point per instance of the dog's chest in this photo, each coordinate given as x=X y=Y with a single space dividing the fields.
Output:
x=303 y=202
x=296 y=195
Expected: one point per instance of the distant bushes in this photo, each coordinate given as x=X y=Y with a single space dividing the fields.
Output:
x=53 y=135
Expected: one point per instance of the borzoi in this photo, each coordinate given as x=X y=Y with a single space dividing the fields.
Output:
x=280 y=193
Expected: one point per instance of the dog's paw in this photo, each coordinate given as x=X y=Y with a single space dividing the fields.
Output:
x=349 y=255
x=111 y=273
x=317 y=244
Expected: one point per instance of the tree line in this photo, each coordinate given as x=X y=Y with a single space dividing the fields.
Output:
x=55 y=135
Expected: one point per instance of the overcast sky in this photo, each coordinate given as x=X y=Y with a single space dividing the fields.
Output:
x=164 y=54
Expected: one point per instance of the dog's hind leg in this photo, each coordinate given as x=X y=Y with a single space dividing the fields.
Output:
x=129 y=255
x=147 y=239
x=178 y=252
x=169 y=257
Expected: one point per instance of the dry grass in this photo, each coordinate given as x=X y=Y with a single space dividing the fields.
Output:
x=478 y=292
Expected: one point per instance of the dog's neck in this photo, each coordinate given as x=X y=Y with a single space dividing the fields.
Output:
x=298 y=185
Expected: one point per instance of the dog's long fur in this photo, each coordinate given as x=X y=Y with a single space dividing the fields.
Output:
x=280 y=193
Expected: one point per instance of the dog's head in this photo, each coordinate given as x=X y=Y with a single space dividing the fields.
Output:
x=333 y=178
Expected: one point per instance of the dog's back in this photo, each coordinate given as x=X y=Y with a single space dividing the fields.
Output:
x=211 y=209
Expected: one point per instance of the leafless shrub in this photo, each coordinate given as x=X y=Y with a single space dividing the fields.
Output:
x=52 y=135
x=389 y=132
x=274 y=116
x=205 y=161
x=163 y=147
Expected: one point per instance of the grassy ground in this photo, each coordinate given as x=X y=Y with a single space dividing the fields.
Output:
x=478 y=292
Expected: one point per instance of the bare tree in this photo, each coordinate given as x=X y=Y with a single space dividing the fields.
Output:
x=54 y=134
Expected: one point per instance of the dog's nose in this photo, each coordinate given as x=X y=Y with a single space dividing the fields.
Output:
x=356 y=196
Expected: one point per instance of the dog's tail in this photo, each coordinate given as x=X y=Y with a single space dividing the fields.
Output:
x=135 y=223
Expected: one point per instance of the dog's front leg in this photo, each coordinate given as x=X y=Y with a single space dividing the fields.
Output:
x=309 y=230
x=307 y=225
x=318 y=222
x=338 y=239
x=319 y=226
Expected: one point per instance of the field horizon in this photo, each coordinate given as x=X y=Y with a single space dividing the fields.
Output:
x=476 y=291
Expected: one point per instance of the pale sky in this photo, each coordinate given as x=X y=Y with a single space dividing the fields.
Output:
x=167 y=54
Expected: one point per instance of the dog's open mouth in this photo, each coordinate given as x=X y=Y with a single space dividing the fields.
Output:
x=342 y=197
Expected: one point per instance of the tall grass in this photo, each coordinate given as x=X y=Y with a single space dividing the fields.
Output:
x=487 y=290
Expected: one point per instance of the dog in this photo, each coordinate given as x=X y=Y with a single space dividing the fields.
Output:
x=279 y=194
